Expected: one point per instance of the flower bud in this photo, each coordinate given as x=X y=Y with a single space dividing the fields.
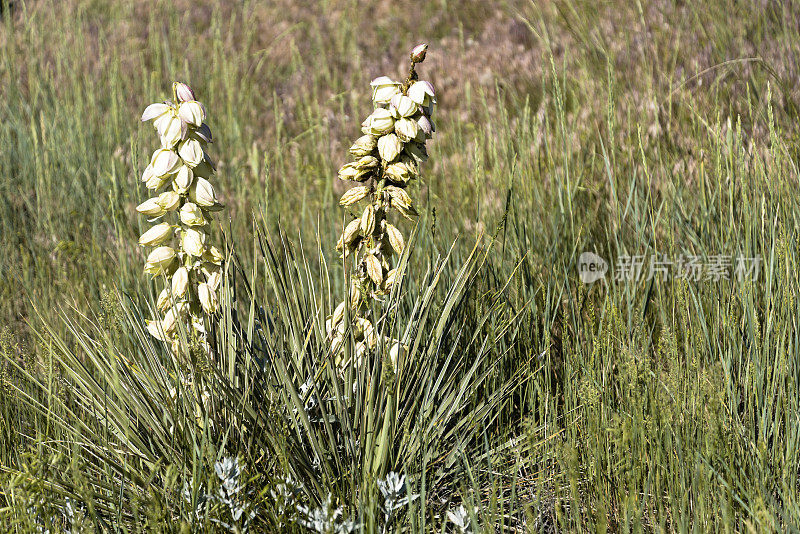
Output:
x=180 y=282
x=202 y=193
x=159 y=260
x=192 y=112
x=156 y=235
x=150 y=207
x=155 y=182
x=391 y=277
x=183 y=179
x=399 y=196
x=147 y=174
x=389 y=147
x=426 y=126
x=214 y=280
x=367 y=163
x=191 y=152
x=163 y=300
x=398 y=172
x=192 y=242
x=402 y=106
x=153 y=111
x=380 y=122
x=349 y=171
x=351 y=231
x=353 y=195
x=171 y=317
x=422 y=93
x=183 y=92
x=406 y=129
x=172 y=132
x=164 y=162
x=338 y=314
x=213 y=255
x=397 y=351
x=208 y=298
x=156 y=330
x=192 y=215
x=363 y=146
x=374 y=269
x=367 y=223
x=418 y=53
x=383 y=89
x=395 y=238
x=169 y=200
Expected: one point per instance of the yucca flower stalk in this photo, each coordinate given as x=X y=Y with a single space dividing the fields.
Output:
x=385 y=160
x=178 y=174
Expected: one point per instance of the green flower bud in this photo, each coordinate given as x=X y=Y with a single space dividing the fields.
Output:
x=367 y=163
x=192 y=112
x=159 y=260
x=395 y=238
x=156 y=235
x=163 y=300
x=398 y=172
x=150 y=207
x=402 y=106
x=153 y=111
x=191 y=215
x=363 y=146
x=389 y=147
x=367 y=222
x=191 y=152
x=192 y=242
x=380 y=122
x=213 y=255
x=169 y=200
x=422 y=93
x=214 y=279
x=406 y=129
x=180 y=282
x=383 y=89
x=156 y=330
x=164 y=162
x=349 y=172
x=202 y=193
x=208 y=298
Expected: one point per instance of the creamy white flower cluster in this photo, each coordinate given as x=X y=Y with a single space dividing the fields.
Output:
x=385 y=160
x=178 y=174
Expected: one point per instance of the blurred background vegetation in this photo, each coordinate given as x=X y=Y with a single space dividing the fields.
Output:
x=562 y=126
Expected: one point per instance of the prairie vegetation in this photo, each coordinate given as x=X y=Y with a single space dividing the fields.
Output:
x=523 y=399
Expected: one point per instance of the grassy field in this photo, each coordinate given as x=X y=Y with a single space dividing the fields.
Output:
x=529 y=401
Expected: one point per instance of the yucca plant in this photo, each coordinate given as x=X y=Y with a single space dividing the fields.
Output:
x=309 y=433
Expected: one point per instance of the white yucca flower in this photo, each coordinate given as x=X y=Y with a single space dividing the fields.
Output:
x=386 y=160
x=190 y=264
